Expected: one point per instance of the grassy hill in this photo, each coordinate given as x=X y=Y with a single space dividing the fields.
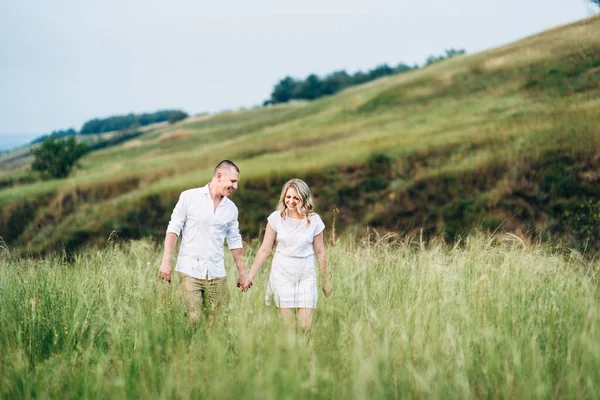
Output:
x=505 y=139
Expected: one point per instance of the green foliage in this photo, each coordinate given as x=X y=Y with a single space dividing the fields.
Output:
x=335 y=82
x=378 y=173
x=9 y=181
x=460 y=217
x=595 y=2
x=314 y=87
x=56 y=157
x=18 y=220
x=449 y=53
x=56 y=134
x=559 y=175
x=309 y=89
x=120 y=122
x=583 y=219
x=177 y=116
x=283 y=90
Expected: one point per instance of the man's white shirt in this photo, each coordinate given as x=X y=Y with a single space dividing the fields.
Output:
x=204 y=229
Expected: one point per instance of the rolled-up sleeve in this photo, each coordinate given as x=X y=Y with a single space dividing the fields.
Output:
x=178 y=216
x=234 y=238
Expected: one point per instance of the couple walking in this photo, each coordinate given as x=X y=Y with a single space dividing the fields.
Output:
x=205 y=218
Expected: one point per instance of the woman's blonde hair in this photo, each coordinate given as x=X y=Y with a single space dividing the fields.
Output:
x=305 y=196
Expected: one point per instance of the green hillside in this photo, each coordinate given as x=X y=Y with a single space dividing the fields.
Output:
x=505 y=139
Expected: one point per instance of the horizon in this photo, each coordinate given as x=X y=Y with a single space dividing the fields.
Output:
x=12 y=141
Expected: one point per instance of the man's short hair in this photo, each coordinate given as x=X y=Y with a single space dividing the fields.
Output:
x=226 y=164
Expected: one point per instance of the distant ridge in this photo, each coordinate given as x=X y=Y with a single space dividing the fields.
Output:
x=11 y=141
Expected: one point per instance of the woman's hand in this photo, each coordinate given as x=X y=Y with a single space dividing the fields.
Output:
x=327 y=288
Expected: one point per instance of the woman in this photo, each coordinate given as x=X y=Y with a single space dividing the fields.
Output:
x=299 y=232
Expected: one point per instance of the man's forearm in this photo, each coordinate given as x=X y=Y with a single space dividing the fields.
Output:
x=238 y=258
x=166 y=266
x=170 y=242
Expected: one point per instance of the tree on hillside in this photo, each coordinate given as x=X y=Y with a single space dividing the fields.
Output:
x=379 y=71
x=335 y=82
x=400 y=68
x=55 y=134
x=310 y=89
x=57 y=157
x=314 y=86
x=129 y=121
x=360 y=77
x=177 y=116
x=284 y=90
x=449 y=54
x=596 y=2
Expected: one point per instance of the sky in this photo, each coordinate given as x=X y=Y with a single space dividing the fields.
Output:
x=63 y=62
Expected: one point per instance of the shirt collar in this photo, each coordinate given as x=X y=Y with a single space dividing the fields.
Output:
x=204 y=189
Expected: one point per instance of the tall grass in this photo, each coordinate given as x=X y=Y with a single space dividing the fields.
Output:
x=487 y=317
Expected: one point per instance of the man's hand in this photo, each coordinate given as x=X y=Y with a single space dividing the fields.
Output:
x=327 y=288
x=241 y=282
x=164 y=271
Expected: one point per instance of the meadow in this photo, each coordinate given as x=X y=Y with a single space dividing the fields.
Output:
x=485 y=317
x=466 y=200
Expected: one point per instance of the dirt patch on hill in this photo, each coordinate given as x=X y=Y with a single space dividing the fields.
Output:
x=132 y=143
x=175 y=135
x=198 y=118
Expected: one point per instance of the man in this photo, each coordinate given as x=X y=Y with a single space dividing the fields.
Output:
x=206 y=217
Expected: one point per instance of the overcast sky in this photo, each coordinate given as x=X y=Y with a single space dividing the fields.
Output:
x=63 y=62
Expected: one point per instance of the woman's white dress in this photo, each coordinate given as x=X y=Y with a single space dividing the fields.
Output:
x=293 y=279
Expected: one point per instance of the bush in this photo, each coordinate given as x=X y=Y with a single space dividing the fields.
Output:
x=56 y=157
x=177 y=116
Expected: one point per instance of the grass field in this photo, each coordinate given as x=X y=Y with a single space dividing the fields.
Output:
x=489 y=317
x=410 y=167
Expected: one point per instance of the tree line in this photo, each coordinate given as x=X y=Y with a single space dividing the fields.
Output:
x=313 y=87
x=56 y=157
x=447 y=54
x=117 y=123
x=130 y=121
x=59 y=151
x=56 y=135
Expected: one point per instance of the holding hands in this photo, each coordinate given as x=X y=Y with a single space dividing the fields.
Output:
x=241 y=282
x=245 y=282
